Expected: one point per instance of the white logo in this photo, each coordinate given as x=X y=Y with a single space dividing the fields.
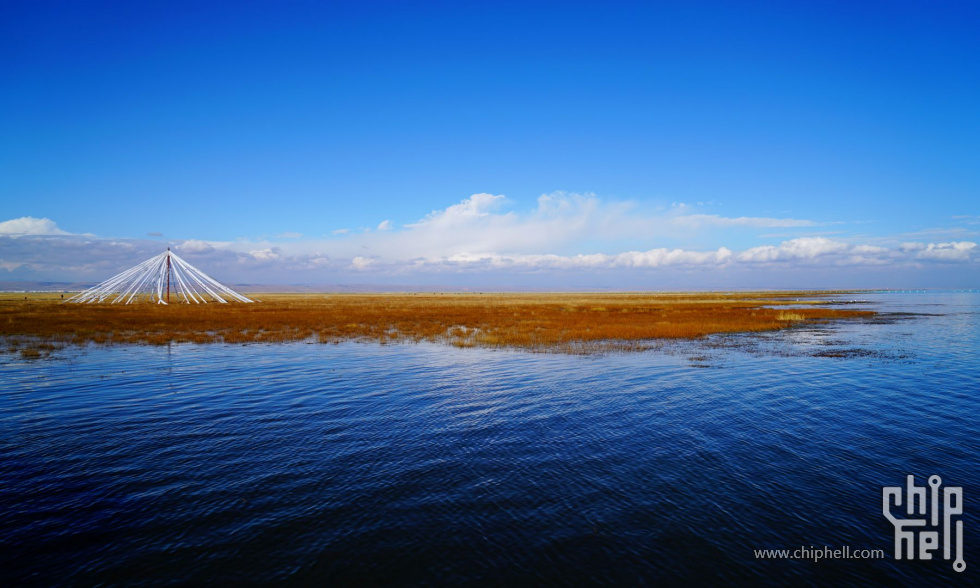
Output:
x=928 y=528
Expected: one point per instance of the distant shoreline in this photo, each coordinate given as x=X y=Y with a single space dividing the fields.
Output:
x=37 y=287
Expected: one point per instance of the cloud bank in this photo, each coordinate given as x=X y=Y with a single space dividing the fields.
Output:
x=564 y=239
x=28 y=225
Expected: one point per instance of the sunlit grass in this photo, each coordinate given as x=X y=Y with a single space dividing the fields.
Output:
x=548 y=322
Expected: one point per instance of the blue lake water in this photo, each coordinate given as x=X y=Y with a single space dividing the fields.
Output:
x=406 y=464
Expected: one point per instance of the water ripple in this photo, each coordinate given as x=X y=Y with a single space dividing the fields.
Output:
x=404 y=464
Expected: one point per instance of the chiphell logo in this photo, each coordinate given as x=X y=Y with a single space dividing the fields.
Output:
x=928 y=527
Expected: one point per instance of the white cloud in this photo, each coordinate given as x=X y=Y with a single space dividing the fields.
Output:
x=954 y=251
x=384 y=225
x=194 y=246
x=794 y=249
x=476 y=206
x=28 y=225
x=360 y=263
x=340 y=231
x=270 y=254
x=481 y=224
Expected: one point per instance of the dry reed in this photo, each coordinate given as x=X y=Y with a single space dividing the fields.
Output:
x=546 y=322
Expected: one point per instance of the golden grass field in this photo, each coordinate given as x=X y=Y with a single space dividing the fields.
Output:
x=34 y=324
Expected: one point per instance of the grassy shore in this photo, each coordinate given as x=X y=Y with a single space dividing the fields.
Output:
x=33 y=324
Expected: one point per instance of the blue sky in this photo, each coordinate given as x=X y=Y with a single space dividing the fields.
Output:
x=550 y=145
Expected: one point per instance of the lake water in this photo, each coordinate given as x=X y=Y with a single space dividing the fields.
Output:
x=401 y=464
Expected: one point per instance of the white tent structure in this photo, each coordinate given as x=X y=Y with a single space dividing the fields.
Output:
x=152 y=279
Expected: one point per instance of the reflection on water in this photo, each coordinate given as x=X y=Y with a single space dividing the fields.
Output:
x=413 y=463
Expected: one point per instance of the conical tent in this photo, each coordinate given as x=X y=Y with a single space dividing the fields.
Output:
x=154 y=279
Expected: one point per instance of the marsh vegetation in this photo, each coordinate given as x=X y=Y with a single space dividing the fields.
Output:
x=572 y=322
